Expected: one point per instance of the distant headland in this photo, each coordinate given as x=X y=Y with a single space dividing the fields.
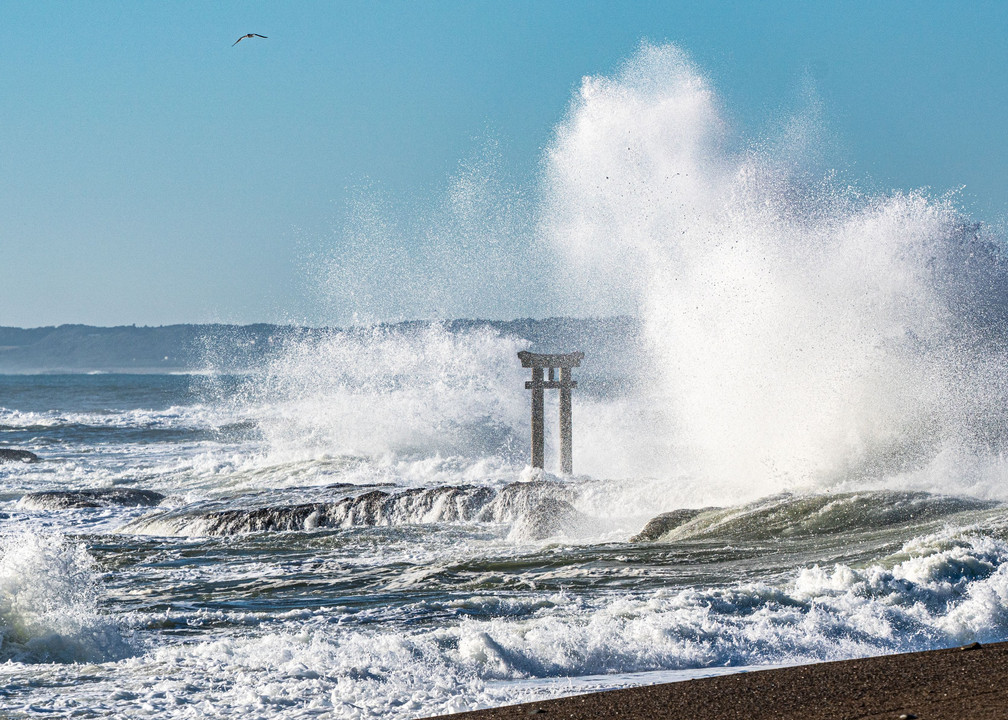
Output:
x=235 y=348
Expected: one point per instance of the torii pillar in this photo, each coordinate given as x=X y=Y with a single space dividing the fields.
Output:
x=538 y=362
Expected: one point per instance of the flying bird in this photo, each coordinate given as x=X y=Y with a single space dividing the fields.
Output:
x=250 y=35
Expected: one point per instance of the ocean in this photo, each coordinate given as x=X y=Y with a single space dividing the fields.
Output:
x=798 y=455
x=353 y=531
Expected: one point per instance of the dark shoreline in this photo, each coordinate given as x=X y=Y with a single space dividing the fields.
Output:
x=957 y=683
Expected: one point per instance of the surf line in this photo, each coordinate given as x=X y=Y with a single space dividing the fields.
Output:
x=539 y=362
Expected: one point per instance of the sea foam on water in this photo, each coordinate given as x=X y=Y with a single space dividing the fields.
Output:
x=49 y=603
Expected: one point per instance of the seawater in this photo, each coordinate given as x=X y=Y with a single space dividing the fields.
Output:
x=297 y=567
x=817 y=374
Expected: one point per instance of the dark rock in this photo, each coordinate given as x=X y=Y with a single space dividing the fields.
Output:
x=67 y=499
x=971 y=646
x=12 y=455
x=369 y=509
x=665 y=523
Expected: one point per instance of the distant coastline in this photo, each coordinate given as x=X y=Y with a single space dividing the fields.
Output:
x=236 y=348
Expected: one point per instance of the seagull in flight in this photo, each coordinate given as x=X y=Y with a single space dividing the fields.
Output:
x=250 y=35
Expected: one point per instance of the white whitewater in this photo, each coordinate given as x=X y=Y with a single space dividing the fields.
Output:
x=804 y=334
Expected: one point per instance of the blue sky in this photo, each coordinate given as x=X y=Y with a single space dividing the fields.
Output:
x=151 y=173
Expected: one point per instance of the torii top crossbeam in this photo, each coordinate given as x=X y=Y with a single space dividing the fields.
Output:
x=544 y=360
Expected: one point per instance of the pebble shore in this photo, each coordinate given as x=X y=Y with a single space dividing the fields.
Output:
x=965 y=683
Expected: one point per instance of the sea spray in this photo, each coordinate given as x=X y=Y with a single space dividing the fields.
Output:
x=805 y=334
x=49 y=603
x=406 y=392
x=798 y=333
x=465 y=250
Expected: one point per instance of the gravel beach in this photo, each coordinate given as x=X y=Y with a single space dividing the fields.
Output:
x=957 y=683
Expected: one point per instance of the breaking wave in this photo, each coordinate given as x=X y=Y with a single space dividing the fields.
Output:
x=404 y=392
x=540 y=509
x=803 y=333
x=796 y=516
x=50 y=596
x=938 y=590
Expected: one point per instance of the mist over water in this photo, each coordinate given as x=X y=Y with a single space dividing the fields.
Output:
x=801 y=333
x=384 y=391
x=469 y=252
x=796 y=331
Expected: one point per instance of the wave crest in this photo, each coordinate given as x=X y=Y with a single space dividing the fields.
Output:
x=49 y=603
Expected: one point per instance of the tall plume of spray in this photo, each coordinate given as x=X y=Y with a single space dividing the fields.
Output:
x=804 y=334
x=465 y=251
x=420 y=389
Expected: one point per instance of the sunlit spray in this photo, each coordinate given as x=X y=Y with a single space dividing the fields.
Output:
x=803 y=333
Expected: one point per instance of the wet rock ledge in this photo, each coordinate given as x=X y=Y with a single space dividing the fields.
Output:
x=15 y=455
x=102 y=497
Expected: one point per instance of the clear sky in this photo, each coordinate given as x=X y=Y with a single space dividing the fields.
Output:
x=152 y=173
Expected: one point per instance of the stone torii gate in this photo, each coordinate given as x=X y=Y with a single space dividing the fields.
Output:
x=538 y=362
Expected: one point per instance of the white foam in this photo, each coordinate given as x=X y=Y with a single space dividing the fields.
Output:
x=177 y=416
x=943 y=589
x=803 y=332
x=49 y=603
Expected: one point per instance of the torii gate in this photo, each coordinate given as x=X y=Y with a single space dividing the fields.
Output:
x=538 y=362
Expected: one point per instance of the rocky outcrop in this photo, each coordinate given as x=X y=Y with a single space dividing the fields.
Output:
x=12 y=455
x=104 y=497
x=665 y=523
x=537 y=510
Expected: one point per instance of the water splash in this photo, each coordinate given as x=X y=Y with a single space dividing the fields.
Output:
x=49 y=603
x=806 y=333
x=468 y=254
x=415 y=393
